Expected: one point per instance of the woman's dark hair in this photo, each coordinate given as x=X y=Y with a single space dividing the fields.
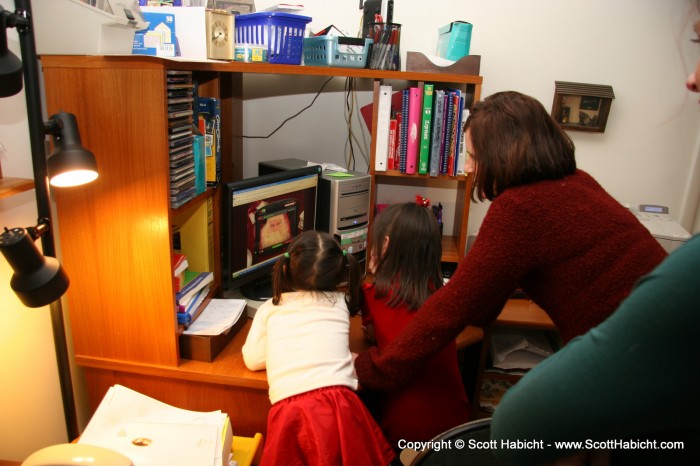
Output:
x=408 y=271
x=315 y=262
x=515 y=142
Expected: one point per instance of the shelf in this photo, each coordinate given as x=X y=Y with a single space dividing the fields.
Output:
x=143 y=62
x=11 y=186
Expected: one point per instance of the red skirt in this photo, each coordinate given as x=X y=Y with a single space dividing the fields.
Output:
x=325 y=427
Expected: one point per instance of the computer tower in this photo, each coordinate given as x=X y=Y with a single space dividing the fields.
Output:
x=343 y=203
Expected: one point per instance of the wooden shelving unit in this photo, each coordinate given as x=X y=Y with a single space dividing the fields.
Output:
x=456 y=76
x=11 y=186
x=116 y=237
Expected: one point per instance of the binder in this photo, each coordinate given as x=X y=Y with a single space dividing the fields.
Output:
x=426 y=126
x=462 y=158
x=382 y=137
x=438 y=119
x=447 y=132
x=415 y=109
x=403 y=130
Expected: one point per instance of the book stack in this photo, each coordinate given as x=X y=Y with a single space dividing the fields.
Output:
x=191 y=296
x=422 y=131
x=180 y=90
x=180 y=265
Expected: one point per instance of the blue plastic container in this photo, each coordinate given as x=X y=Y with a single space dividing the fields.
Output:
x=345 y=52
x=281 y=33
x=454 y=40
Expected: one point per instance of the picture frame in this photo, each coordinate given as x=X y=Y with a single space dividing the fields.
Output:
x=582 y=107
x=242 y=7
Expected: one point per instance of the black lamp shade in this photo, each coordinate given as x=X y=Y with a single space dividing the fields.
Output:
x=37 y=280
x=70 y=164
x=10 y=65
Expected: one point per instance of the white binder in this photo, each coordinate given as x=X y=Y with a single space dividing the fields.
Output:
x=382 y=136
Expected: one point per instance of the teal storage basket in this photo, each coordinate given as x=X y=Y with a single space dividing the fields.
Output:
x=282 y=33
x=345 y=52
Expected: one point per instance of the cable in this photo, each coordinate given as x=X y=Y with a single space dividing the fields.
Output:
x=295 y=115
x=350 y=106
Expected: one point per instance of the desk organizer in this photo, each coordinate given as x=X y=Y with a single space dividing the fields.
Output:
x=207 y=347
x=345 y=52
x=281 y=33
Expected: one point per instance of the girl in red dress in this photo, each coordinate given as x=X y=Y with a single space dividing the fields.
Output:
x=405 y=263
x=301 y=337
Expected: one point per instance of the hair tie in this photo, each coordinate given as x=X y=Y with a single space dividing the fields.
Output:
x=345 y=252
x=286 y=254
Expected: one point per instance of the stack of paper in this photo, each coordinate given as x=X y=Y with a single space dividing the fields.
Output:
x=151 y=432
x=217 y=317
x=519 y=349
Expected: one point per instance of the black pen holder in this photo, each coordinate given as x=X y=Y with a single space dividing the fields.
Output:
x=385 y=53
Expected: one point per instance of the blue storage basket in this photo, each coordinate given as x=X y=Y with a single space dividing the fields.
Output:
x=282 y=33
x=346 y=52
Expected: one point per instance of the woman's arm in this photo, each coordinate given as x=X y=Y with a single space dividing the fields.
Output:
x=475 y=295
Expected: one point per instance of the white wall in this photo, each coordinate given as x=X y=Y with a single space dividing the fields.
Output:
x=31 y=407
x=642 y=48
x=649 y=152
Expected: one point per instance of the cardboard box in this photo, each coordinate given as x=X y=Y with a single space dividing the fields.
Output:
x=190 y=29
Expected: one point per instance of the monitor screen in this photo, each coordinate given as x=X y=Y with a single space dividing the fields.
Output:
x=261 y=216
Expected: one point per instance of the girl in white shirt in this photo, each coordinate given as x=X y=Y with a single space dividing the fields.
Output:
x=301 y=337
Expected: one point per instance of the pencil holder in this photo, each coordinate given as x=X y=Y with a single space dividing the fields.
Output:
x=385 y=53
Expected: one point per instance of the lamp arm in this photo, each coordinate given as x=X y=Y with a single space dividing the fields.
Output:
x=42 y=227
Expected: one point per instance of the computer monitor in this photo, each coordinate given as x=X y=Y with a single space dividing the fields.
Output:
x=260 y=217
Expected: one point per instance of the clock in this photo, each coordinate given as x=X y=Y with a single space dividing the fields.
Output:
x=220 y=40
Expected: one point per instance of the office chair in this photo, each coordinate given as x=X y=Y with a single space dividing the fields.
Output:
x=448 y=454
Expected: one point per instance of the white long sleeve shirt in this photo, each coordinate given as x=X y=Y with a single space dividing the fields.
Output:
x=302 y=342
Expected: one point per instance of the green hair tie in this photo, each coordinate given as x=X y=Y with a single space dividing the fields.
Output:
x=345 y=252
x=286 y=254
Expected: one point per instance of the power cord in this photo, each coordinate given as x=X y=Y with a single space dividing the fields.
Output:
x=293 y=116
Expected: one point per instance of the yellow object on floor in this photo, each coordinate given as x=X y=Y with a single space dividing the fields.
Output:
x=245 y=449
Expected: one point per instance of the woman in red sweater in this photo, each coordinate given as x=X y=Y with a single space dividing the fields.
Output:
x=405 y=266
x=551 y=230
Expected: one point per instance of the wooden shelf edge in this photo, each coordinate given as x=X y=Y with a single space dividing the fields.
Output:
x=142 y=61
x=11 y=186
x=187 y=370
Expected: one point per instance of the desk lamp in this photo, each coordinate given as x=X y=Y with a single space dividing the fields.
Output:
x=39 y=280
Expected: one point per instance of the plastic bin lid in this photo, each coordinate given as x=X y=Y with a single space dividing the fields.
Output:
x=274 y=14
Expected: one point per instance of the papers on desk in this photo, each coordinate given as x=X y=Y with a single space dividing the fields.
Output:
x=217 y=317
x=519 y=348
x=150 y=432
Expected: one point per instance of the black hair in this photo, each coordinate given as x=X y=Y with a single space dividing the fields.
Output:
x=315 y=262
x=408 y=270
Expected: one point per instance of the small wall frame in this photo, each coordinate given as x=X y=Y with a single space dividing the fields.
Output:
x=582 y=107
